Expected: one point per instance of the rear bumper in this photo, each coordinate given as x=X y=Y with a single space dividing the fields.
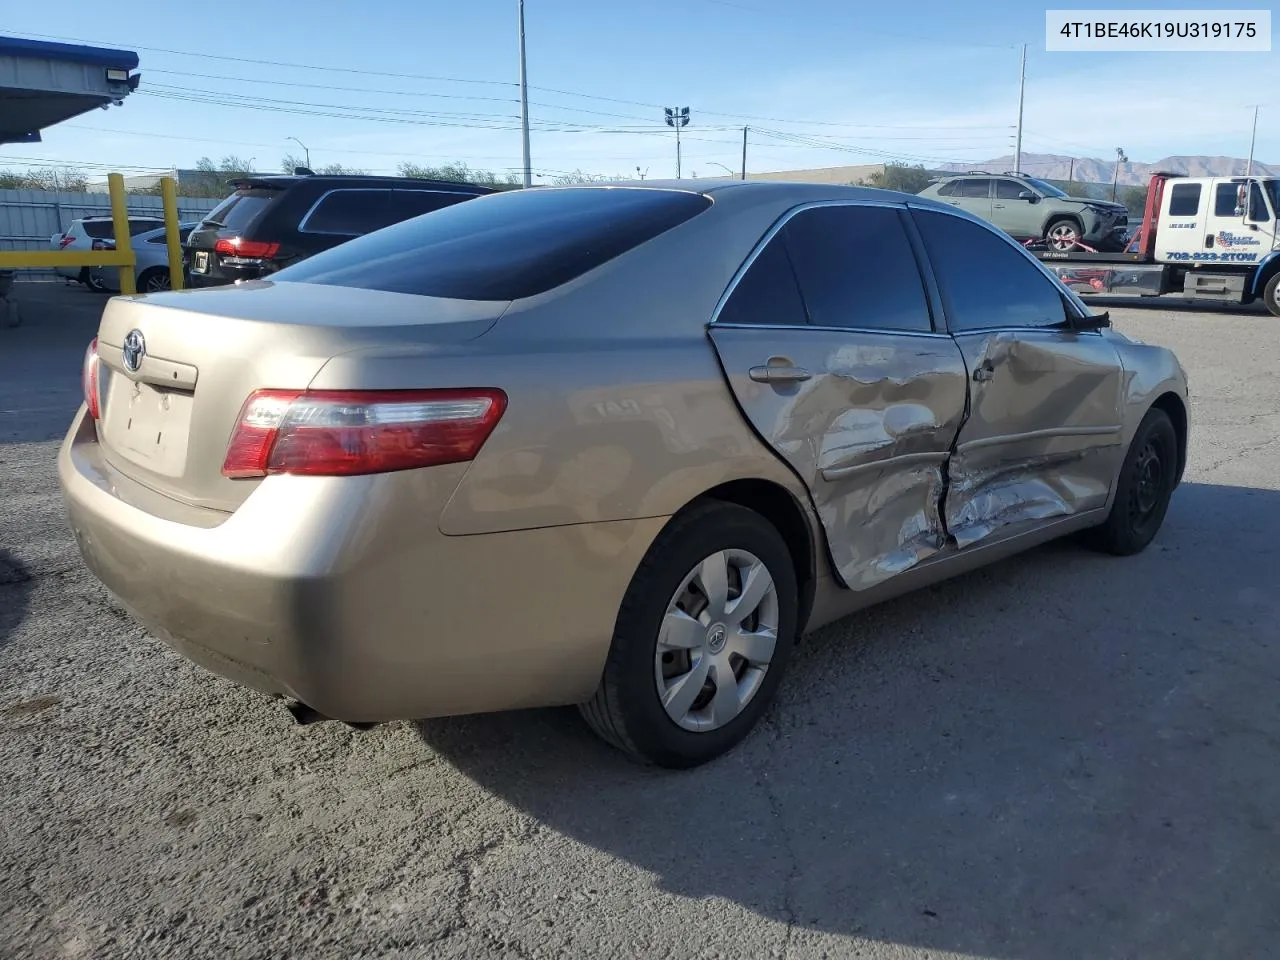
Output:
x=343 y=593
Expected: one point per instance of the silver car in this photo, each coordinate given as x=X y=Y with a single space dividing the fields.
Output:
x=615 y=446
x=151 y=263
x=94 y=233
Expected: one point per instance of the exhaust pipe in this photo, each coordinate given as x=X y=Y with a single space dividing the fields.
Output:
x=304 y=715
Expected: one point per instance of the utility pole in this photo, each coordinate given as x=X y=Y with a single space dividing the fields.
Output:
x=1022 y=90
x=1248 y=170
x=744 y=153
x=677 y=117
x=1071 y=171
x=524 y=102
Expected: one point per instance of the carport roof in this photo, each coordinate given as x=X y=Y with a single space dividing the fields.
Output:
x=44 y=83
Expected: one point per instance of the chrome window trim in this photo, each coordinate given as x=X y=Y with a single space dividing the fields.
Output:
x=773 y=231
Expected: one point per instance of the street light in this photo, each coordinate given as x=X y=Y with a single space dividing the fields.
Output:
x=732 y=173
x=1120 y=158
x=304 y=149
x=677 y=117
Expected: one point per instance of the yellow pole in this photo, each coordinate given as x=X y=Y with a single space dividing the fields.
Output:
x=169 y=195
x=120 y=220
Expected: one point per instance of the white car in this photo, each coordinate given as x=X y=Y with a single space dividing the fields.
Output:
x=95 y=233
x=151 y=265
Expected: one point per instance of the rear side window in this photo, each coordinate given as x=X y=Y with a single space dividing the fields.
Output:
x=99 y=229
x=986 y=281
x=240 y=209
x=857 y=269
x=980 y=189
x=504 y=246
x=349 y=212
x=414 y=203
x=1184 y=200
x=767 y=294
x=949 y=189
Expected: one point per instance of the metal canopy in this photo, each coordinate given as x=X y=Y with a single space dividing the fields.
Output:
x=42 y=84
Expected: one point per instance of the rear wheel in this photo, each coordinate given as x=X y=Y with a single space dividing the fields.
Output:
x=1063 y=234
x=1271 y=295
x=1144 y=488
x=701 y=640
x=154 y=280
x=93 y=283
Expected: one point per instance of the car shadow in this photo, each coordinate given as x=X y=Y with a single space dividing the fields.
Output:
x=1178 y=305
x=16 y=583
x=1063 y=755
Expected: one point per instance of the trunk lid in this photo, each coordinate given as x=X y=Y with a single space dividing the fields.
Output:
x=167 y=417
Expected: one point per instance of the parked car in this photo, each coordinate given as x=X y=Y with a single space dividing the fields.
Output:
x=1031 y=209
x=95 y=233
x=608 y=445
x=151 y=267
x=271 y=222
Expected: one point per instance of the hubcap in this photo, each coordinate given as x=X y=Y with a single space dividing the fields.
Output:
x=156 y=284
x=716 y=640
x=1063 y=237
x=1148 y=484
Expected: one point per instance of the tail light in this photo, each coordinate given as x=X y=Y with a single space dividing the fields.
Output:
x=104 y=244
x=345 y=433
x=89 y=379
x=253 y=249
x=65 y=241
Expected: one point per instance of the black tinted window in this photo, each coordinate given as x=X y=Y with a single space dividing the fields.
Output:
x=985 y=280
x=504 y=246
x=975 y=188
x=349 y=212
x=240 y=209
x=856 y=269
x=1257 y=205
x=99 y=229
x=1009 y=189
x=1184 y=200
x=414 y=203
x=949 y=189
x=1224 y=200
x=767 y=293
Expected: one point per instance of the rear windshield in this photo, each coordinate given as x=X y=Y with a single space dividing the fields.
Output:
x=238 y=210
x=504 y=246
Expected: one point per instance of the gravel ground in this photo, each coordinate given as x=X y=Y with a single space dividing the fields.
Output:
x=1063 y=756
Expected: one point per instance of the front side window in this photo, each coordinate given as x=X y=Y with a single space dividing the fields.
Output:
x=986 y=281
x=856 y=268
x=1257 y=204
x=1010 y=189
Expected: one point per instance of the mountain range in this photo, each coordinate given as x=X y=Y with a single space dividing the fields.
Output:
x=1049 y=166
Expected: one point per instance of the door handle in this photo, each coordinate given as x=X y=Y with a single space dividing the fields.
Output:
x=770 y=373
x=984 y=372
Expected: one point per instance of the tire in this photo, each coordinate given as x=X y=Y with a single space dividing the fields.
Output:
x=1068 y=234
x=628 y=709
x=95 y=285
x=1142 y=499
x=1271 y=295
x=154 y=280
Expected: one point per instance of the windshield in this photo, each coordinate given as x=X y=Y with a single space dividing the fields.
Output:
x=1048 y=189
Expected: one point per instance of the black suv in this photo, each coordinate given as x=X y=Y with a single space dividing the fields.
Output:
x=271 y=222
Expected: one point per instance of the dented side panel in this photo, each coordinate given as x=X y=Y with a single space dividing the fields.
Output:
x=869 y=434
x=1045 y=433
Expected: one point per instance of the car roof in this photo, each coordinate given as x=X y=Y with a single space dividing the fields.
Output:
x=281 y=181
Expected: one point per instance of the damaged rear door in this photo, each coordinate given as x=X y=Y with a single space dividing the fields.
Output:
x=1043 y=435
x=828 y=343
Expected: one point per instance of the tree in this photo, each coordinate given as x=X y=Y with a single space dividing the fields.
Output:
x=905 y=179
x=578 y=176
x=460 y=172
x=1135 y=198
x=290 y=162
x=44 y=178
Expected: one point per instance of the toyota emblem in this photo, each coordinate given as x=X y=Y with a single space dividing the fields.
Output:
x=134 y=348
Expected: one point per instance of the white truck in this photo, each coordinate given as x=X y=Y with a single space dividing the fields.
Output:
x=1211 y=238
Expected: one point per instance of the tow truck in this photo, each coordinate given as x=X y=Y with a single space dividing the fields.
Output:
x=1205 y=238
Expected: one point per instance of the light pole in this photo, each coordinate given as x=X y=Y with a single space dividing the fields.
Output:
x=723 y=167
x=304 y=149
x=1022 y=89
x=641 y=173
x=250 y=170
x=524 y=100
x=1120 y=158
x=1248 y=170
x=677 y=117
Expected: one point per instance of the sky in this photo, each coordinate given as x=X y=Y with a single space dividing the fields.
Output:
x=818 y=83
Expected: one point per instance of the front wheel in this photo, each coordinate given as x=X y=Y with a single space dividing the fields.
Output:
x=155 y=280
x=1063 y=235
x=701 y=639
x=1144 y=488
x=1271 y=295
